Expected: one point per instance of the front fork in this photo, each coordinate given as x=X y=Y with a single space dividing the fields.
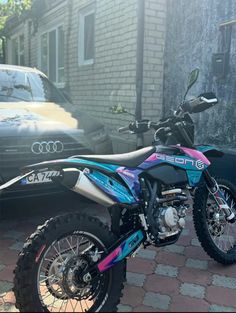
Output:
x=214 y=189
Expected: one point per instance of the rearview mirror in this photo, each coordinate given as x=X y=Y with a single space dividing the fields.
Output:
x=193 y=77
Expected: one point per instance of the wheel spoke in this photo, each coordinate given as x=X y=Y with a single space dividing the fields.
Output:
x=57 y=285
x=222 y=233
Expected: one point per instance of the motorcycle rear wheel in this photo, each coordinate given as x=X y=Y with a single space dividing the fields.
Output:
x=47 y=275
x=217 y=237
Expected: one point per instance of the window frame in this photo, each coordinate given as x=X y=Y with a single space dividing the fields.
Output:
x=47 y=32
x=17 y=37
x=82 y=15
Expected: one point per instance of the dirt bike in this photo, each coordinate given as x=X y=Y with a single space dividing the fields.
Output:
x=76 y=263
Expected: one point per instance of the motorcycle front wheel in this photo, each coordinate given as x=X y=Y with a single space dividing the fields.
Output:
x=216 y=235
x=48 y=272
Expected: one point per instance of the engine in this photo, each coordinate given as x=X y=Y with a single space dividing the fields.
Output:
x=169 y=214
x=169 y=222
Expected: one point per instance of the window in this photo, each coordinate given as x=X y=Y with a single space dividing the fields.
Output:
x=86 y=36
x=52 y=45
x=28 y=87
x=18 y=50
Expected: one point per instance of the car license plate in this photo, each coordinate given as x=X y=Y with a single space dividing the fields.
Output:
x=40 y=178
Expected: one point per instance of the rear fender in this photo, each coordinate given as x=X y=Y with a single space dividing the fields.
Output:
x=71 y=163
x=59 y=165
x=103 y=176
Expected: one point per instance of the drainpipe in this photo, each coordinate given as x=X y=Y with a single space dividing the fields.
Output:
x=3 y=49
x=139 y=65
x=67 y=43
x=29 y=42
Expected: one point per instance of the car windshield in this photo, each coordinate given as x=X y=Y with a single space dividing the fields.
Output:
x=18 y=86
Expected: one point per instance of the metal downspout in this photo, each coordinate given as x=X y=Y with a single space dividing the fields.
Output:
x=139 y=65
x=3 y=48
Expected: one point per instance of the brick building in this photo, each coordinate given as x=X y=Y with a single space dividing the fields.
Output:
x=95 y=51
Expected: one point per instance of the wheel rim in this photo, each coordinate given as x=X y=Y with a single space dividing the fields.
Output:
x=60 y=285
x=222 y=232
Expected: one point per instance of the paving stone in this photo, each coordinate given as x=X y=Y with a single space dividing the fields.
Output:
x=5 y=287
x=147 y=254
x=185 y=232
x=124 y=308
x=169 y=258
x=8 y=256
x=196 y=253
x=162 y=284
x=223 y=281
x=189 y=218
x=5 y=243
x=192 y=290
x=217 y=268
x=7 y=273
x=167 y=270
x=9 y=297
x=157 y=301
x=17 y=246
x=175 y=249
x=132 y=296
x=221 y=296
x=195 y=242
x=144 y=308
x=220 y=308
x=184 y=241
x=186 y=304
x=13 y=234
x=142 y=266
x=2 y=266
x=135 y=279
x=8 y=308
x=199 y=264
x=194 y=276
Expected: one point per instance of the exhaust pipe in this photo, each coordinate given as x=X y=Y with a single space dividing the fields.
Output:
x=78 y=182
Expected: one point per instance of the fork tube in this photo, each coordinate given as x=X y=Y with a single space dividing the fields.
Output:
x=219 y=197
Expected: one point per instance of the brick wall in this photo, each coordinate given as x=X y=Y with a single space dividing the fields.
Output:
x=155 y=30
x=111 y=80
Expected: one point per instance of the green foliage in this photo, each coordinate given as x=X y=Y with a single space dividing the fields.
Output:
x=12 y=7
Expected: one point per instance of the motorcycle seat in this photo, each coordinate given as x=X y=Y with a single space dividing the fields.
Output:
x=131 y=159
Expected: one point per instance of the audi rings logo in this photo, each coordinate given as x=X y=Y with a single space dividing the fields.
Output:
x=45 y=147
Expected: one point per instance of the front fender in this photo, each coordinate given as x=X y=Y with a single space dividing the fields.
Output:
x=210 y=151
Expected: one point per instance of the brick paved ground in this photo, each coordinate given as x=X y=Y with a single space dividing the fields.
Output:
x=178 y=278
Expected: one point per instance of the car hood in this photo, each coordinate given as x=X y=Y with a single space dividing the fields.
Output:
x=19 y=119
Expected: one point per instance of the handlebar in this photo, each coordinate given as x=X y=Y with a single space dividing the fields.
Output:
x=176 y=122
x=199 y=104
x=123 y=129
x=144 y=126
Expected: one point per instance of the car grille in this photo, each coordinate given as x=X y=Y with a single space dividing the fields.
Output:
x=26 y=150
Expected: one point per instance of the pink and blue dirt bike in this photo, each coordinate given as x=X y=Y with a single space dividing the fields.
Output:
x=75 y=263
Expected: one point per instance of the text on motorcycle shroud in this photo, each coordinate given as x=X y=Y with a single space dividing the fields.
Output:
x=199 y=164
